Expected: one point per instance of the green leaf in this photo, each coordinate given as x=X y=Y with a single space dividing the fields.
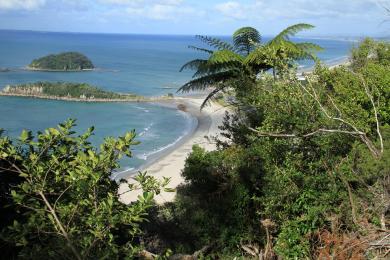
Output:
x=25 y=136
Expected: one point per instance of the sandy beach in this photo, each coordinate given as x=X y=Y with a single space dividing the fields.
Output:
x=172 y=163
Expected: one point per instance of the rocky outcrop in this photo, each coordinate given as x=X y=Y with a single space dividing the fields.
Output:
x=28 y=90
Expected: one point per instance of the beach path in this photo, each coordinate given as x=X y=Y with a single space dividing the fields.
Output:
x=172 y=164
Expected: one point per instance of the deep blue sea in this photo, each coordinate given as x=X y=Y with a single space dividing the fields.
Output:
x=141 y=64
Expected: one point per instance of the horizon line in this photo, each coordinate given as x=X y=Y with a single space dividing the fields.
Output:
x=308 y=35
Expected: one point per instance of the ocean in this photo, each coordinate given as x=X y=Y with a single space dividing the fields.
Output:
x=142 y=64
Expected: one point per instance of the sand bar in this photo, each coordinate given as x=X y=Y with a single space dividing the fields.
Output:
x=171 y=164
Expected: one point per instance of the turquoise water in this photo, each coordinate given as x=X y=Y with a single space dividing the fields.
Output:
x=141 y=64
x=112 y=119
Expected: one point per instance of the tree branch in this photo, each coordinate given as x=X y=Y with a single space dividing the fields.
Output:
x=60 y=226
x=321 y=130
x=375 y=113
x=62 y=193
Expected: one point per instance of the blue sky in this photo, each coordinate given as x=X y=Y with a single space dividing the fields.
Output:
x=215 y=17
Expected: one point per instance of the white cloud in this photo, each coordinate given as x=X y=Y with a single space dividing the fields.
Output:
x=152 y=9
x=141 y=3
x=302 y=9
x=231 y=9
x=122 y=2
x=21 y=4
x=163 y=12
x=171 y=2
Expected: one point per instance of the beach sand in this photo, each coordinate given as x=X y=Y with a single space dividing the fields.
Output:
x=172 y=163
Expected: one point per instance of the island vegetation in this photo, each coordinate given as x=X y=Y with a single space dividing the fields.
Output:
x=66 y=61
x=67 y=91
x=302 y=173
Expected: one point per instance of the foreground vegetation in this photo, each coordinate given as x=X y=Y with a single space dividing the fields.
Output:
x=303 y=171
x=65 y=90
x=66 y=61
x=58 y=201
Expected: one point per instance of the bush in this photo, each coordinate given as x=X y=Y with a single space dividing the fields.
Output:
x=62 y=202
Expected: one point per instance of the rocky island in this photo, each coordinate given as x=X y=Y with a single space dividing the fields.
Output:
x=67 y=92
x=66 y=61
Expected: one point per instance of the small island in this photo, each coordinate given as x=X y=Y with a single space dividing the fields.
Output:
x=66 y=61
x=67 y=92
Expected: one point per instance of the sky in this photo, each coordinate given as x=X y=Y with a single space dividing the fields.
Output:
x=189 y=17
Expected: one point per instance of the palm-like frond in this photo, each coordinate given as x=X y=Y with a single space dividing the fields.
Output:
x=308 y=50
x=225 y=56
x=206 y=81
x=223 y=60
x=210 y=69
x=212 y=94
x=193 y=65
x=299 y=51
x=260 y=56
x=200 y=49
x=290 y=31
x=215 y=43
x=309 y=46
x=245 y=39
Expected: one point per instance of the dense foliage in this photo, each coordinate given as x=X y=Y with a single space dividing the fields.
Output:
x=64 y=89
x=58 y=200
x=304 y=173
x=66 y=61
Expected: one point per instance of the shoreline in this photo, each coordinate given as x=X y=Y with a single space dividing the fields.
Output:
x=97 y=100
x=342 y=61
x=153 y=158
x=171 y=162
x=51 y=70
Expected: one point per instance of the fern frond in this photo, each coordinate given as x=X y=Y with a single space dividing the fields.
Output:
x=200 y=49
x=210 y=69
x=204 y=82
x=301 y=51
x=225 y=56
x=259 y=59
x=215 y=43
x=212 y=94
x=290 y=31
x=309 y=50
x=308 y=46
x=193 y=65
x=220 y=61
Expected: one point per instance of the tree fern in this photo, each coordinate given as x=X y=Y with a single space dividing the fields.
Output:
x=227 y=64
x=245 y=39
